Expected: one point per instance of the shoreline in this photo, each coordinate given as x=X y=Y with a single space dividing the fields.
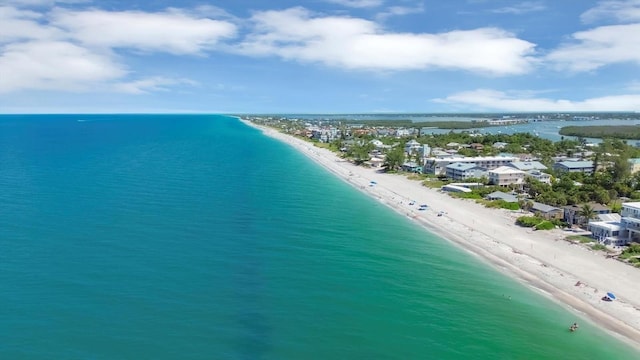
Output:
x=541 y=260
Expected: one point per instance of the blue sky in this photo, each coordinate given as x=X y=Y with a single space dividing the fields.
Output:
x=319 y=56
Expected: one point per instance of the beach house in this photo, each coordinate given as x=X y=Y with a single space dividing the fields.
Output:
x=538 y=175
x=630 y=222
x=499 y=195
x=464 y=171
x=622 y=232
x=574 y=166
x=505 y=176
x=412 y=147
x=546 y=211
x=572 y=212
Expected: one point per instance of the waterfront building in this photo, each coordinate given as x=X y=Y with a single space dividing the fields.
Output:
x=499 y=195
x=505 y=176
x=438 y=165
x=538 y=175
x=464 y=171
x=547 y=211
x=572 y=212
x=527 y=165
x=574 y=166
x=624 y=232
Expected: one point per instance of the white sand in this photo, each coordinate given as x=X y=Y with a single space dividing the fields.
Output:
x=539 y=258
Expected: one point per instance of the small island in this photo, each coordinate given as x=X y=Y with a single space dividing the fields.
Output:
x=631 y=132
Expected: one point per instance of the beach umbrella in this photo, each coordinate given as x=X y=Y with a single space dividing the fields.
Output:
x=611 y=295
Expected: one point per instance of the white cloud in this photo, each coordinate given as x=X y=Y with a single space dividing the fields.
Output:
x=54 y=65
x=16 y=24
x=352 y=43
x=485 y=99
x=399 y=11
x=70 y=50
x=172 y=31
x=599 y=47
x=633 y=86
x=521 y=8
x=152 y=84
x=43 y=3
x=617 y=10
x=357 y=3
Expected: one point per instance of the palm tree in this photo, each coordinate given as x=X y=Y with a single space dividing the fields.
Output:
x=394 y=158
x=586 y=213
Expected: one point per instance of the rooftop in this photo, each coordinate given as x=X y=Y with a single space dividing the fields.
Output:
x=462 y=166
x=528 y=165
x=576 y=164
x=506 y=170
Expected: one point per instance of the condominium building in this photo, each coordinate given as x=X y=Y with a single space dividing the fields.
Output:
x=438 y=166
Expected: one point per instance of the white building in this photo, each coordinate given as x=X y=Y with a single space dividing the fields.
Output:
x=505 y=176
x=438 y=166
x=412 y=147
x=539 y=175
x=625 y=231
x=464 y=171
x=528 y=165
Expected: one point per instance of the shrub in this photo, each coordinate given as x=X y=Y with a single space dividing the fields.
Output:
x=598 y=247
x=631 y=252
x=508 y=205
x=580 y=238
x=529 y=221
x=545 y=225
x=469 y=195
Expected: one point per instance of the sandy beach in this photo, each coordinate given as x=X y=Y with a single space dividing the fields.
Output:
x=540 y=259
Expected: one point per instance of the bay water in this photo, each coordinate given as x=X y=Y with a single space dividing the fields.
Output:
x=197 y=237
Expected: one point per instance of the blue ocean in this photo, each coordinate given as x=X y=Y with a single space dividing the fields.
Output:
x=197 y=237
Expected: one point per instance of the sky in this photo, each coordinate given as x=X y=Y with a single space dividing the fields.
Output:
x=319 y=56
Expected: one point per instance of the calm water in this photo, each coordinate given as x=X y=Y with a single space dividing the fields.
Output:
x=545 y=129
x=196 y=237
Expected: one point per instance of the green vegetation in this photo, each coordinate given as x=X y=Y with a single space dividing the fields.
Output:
x=605 y=131
x=598 y=247
x=529 y=221
x=359 y=151
x=470 y=195
x=434 y=183
x=419 y=177
x=545 y=225
x=536 y=222
x=394 y=158
x=631 y=254
x=501 y=204
x=580 y=238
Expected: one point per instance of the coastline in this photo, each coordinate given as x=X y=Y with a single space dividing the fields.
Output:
x=541 y=260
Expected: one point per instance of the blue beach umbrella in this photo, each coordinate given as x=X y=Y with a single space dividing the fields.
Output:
x=611 y=295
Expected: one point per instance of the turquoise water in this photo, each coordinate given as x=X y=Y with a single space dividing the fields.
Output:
x=197 y=237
